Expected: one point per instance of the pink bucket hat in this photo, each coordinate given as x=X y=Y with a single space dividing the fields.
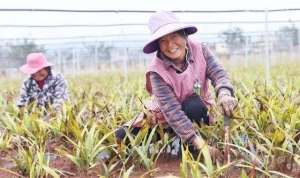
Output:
x=162 y=23
x=34 y=63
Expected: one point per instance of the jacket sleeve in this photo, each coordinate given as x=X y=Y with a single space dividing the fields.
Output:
x=216 y=73
x=60 y=92
x=24 y=96
x=171 y=108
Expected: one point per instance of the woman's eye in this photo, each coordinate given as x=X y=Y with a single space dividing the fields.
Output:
x=162 y=41
x=174 y=36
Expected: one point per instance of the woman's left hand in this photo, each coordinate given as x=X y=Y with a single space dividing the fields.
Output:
x=227 y=102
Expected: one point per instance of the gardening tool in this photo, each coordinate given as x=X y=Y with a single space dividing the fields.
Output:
x=226 y=144
x=226 y=139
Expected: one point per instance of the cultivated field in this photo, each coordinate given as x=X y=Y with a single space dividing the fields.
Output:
x=264 y=133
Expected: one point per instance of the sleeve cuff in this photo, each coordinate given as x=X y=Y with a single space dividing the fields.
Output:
x=225 y=91
x=191 y=139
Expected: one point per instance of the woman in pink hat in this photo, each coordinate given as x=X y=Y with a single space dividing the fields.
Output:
x=42 y=87
x=177 y=79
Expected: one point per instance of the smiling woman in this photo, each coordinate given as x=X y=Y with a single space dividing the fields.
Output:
x=173 y=46
x=177 y=79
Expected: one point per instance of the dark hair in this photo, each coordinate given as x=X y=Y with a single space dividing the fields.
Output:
x=49 y=69
x=182 y=33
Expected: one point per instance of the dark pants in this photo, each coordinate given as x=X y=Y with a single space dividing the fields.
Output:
x=193 y=107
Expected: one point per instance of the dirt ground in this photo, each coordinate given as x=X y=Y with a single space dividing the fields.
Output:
x=166 y=165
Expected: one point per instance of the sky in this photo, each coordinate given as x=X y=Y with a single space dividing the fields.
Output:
x=151 y=4
x=54 y=18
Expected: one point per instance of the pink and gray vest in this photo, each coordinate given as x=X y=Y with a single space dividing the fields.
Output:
x=183 y=83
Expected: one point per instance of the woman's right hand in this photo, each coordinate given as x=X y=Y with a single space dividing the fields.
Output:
x=21 y=112
x=215 y=153
x=227 y=102
x=199 y=143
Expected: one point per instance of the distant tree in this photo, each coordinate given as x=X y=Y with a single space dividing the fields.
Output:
x=103 y=50
x=287 y=36
x=234 y=38
x=18 y=51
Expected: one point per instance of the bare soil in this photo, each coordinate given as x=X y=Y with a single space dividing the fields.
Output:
x=166 y=165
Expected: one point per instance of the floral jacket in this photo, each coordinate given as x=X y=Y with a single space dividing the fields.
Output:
x=54 y=92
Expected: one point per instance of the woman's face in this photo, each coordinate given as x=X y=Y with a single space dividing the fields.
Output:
x=40 y=75
x=173 y=45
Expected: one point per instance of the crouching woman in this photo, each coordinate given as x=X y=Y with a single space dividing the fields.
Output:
x=43 y=87
x=178 y=77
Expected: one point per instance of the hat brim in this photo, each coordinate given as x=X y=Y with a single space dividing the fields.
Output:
x=29 y=70
x=152 y=45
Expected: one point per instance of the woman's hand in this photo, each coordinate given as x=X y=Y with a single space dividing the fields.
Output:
x=21 y=112
x=215 y=153
x=199 y=143
x=227 y=102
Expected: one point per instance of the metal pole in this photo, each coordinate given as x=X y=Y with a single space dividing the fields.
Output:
x=77 y=59
x=73 y=61
x=125 y=63
x=246 y=51
x=60 y=61
x=96 y=56
x=267 y=48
